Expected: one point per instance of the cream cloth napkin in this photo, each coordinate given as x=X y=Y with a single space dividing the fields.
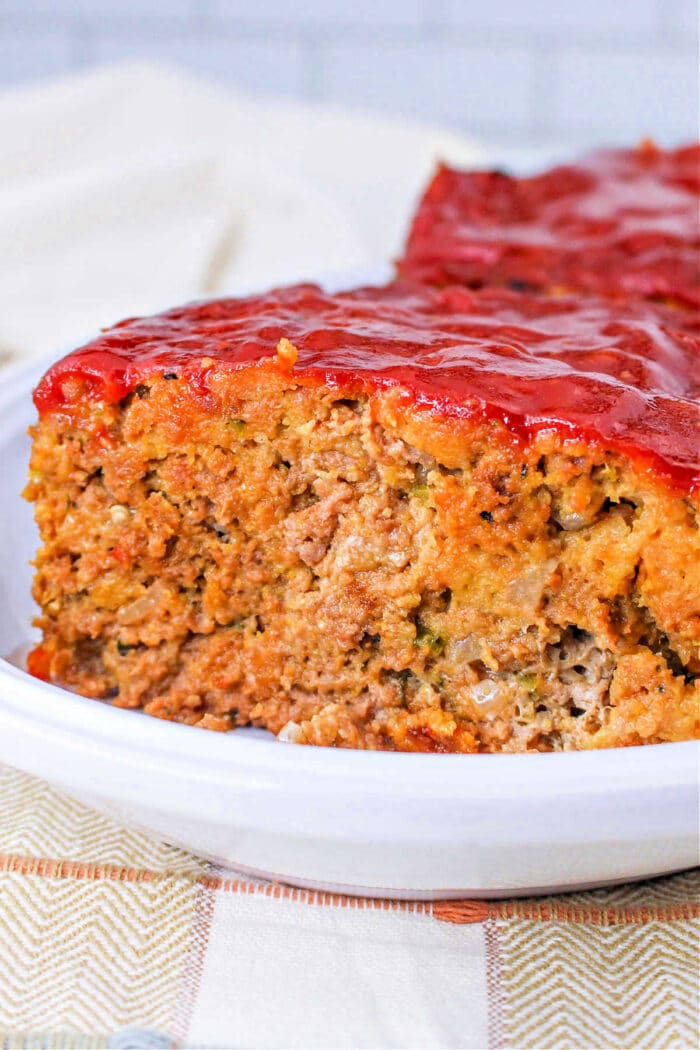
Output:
x=110 y=939
x=132 y=188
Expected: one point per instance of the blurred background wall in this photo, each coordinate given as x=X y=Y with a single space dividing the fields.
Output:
x=536 y=73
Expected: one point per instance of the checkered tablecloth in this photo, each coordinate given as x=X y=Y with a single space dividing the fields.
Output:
x=111 y=939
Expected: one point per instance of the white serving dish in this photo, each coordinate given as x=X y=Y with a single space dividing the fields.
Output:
x=391 y=825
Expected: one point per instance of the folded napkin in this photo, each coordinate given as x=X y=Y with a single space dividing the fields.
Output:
x=111 y=939
x=130 y=189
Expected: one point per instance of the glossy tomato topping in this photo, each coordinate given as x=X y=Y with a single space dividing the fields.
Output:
x=618 y=374
x=620 y=223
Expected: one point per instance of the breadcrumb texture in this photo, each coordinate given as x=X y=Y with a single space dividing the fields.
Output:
x=345 y=568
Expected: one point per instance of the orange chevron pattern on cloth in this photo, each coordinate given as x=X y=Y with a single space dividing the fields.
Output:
x=109 y=939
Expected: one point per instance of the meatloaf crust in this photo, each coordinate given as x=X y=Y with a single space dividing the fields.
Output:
x=393 y=518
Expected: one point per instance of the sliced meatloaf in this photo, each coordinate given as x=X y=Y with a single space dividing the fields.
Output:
x=619 y=223
x=395 y=518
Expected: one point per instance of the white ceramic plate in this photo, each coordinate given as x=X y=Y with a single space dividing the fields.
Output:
x=395 y=825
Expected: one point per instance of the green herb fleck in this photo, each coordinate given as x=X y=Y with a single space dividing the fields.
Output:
x=421 y=492
x=428 y=639
x=528 y=682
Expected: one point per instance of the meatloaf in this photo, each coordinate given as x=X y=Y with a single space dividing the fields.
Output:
x=620 y=223
x=393 y=518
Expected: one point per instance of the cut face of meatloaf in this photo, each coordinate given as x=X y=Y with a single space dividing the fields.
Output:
x=619 y=223
x=390 y=518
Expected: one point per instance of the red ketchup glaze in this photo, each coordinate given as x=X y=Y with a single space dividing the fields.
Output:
x=620 y=223
x=592 y=369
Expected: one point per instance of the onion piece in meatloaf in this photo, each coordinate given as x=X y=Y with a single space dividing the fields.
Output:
x=393 y=518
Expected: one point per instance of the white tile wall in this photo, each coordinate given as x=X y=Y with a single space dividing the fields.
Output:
x=538 y=72
x=327 y=13
x=274 y=66
x=682 y=15
x=660 y=85
x=553 y=17
x=22 y=53
x=480 y=88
